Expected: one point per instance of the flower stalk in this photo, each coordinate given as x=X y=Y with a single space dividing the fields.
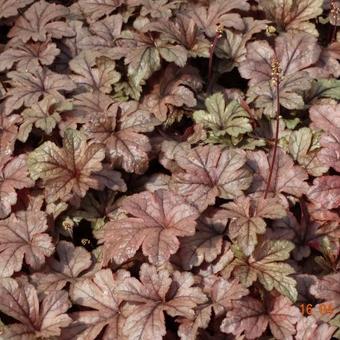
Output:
x=218 y=36
x=334 y=13
x=275 y=79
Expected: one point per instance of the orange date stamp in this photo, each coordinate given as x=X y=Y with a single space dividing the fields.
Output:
x=323 y=308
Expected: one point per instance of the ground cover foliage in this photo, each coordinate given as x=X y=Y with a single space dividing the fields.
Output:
x=169 y=169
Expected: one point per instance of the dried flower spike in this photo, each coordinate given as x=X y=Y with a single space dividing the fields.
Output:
x=276 y=76
x=335 y=11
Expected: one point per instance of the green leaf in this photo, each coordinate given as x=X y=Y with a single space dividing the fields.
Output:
x=292 y=123
x=149 y=62
x=265 y=265
x=337 y=334
x=223 y=118
x=127 y=89
x=247 y=219
x=323 y=88
x=300 y=142
x=304 y=147
x=175 y=54
x=335 y=321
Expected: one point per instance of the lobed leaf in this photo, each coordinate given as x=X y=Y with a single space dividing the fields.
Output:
x=13 y=175
x=293 y=15
x=295 y=53
x=325 y=192
x=10 y=8
x=207 y=172
x=327 y=118
x=247 y=219
x=223 y=118
x=287 y=177
x=40 y=21
x=158 y=219
x=206 y=243
x=148 y=301
x=45 y=115
x=265 y=265
x=218 y=12
x=95 y=9
x=23 y=235
x=100 y=295
x=39 y=317
x=96 y=74
x=119 y=128
x=176 y=89
x=71 y=169
x=28 y=56
x=73 y=261
x=251 y=317
x=28 y=88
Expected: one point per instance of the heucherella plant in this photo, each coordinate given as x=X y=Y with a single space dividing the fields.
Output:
x=169 y=169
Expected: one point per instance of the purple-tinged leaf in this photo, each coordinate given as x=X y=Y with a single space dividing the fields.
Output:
x=158 y=219
x=13 y=175
x=207 y=172
x=39 y=317
x=23 y=235
x=40 y=21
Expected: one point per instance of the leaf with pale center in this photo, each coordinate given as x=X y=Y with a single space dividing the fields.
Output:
x=70 y=169
x=247 y=219
x=266 y=266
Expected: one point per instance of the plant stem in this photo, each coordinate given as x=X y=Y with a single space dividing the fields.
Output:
x=276 y=141
x=217 y=37
x=333 y=13
x=333 y=39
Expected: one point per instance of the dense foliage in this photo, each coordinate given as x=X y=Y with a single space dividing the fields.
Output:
x=169 y=168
